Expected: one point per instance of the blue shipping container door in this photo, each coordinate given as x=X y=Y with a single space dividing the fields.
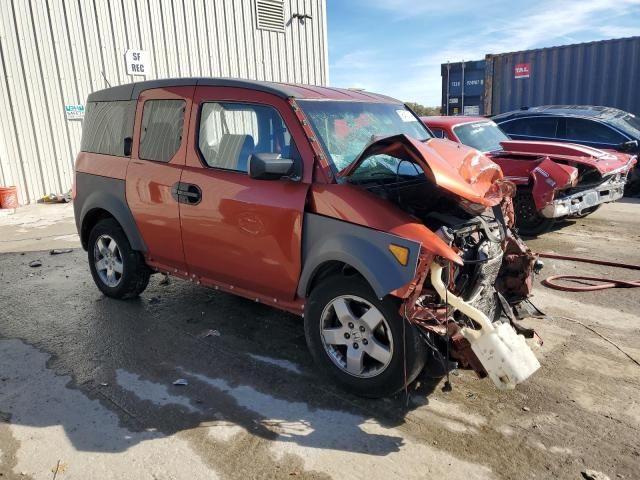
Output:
x=603 y=73
x=463 y=87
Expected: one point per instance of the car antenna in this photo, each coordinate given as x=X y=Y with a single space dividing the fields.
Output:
x=105 y=79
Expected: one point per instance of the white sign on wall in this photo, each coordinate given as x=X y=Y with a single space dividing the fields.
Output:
x=74 y=112
x=136 y=62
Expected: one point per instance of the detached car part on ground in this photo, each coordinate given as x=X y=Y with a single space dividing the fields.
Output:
x=555 y=180
x=337 y=205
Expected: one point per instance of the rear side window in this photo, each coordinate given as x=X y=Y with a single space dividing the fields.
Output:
x=106 y=125
x=545 y=127
x=161 y=132
x=581 y=130
x=231 y=132
x=439 y=133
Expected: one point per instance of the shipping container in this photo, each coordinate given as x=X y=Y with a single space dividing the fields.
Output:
x=463 y=88
x=603 y=73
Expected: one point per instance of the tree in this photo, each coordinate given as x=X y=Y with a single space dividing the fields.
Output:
x=423 y=111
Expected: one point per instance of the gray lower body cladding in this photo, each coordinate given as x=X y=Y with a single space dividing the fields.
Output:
x=95 y=193
x=327 y=239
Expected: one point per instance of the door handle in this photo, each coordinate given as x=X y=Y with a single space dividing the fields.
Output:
x=186 y=193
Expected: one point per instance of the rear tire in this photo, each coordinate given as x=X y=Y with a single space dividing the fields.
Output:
x=358 y=339
x=528 y=220
x=117 y=270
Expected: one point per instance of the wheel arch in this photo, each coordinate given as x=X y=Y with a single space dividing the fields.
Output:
x=89 y=221
x=331 y=245
x=329 y=268
x=101 y=197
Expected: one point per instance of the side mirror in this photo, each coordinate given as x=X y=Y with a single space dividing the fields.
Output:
x=269 y=166
x=128 y=142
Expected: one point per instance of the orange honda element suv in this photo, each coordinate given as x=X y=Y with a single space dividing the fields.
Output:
x=333 y=204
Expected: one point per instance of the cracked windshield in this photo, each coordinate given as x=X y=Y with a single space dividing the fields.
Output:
x=345 y=128
x=484 y=136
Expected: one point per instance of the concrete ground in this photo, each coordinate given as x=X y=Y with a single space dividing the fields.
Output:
x=38 y=227
x=86 y=383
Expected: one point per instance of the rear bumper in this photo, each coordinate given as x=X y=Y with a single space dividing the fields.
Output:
x=609 y=191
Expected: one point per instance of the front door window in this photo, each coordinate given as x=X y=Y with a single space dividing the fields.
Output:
x=230 y=133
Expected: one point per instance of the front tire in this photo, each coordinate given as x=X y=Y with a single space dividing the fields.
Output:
x=528 y=220
x=362 y=342
x=117 y=270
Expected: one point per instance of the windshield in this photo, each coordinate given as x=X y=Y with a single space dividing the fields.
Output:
x=629 y=123
x=345 y=128
x=483 y=136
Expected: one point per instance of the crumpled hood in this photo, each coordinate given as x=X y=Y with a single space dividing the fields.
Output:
x=606 y=162
x=456 y=168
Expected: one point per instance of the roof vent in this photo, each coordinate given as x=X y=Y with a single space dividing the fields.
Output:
x=270 y=15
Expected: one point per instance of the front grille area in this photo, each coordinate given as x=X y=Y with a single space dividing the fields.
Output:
x=483 y=295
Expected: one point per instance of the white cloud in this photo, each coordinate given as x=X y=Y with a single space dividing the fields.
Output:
x=402 y=9
x=545 y=23
x=618 y=31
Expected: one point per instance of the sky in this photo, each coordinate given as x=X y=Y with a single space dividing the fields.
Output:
x=395 y=47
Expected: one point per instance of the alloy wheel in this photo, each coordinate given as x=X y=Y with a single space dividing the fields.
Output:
x=356 y=336
x=108 y=261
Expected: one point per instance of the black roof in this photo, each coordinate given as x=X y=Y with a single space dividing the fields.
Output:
x=583 y=111
x=131 y=91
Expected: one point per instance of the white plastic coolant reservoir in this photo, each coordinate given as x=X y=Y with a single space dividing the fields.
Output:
x=505 y=356
x=503 y=353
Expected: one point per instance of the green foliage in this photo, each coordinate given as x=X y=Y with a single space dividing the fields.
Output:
x=423 y=111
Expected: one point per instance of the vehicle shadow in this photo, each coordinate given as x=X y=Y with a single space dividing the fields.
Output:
x=245 y=365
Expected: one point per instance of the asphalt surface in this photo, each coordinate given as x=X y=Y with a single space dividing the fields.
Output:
x=86 y=383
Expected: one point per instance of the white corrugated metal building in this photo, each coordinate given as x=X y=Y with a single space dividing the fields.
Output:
x=53 y=53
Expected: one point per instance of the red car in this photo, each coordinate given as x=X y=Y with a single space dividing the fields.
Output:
x=328 y=203
x=554 y=180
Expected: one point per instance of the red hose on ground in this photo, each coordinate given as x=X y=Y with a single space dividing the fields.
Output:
x=601 y=283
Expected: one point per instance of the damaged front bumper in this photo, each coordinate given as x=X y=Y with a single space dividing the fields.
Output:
x=575 y=203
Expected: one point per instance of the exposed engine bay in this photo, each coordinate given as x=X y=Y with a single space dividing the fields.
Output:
x=494 y=279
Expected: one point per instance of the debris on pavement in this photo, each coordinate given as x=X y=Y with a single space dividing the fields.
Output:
x=594 y=475
x=104 y=384
x=181 y=382
x=210 y=333
x=59 y=251
x=165 y=280
x=526 y=409
x=56 y=198
x=35 y=263
x=59 y=468
x=611 y=342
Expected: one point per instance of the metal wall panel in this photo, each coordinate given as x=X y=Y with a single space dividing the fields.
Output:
x=55 y=52
x=595 y=73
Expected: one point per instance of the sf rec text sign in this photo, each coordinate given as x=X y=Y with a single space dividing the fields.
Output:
x=136 y=61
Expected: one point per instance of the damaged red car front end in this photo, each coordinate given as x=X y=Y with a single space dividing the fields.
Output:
x=562 y=180
x=554 y=180
x=473 y=272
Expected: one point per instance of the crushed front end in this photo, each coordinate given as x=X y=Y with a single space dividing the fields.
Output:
x=565 y=180
x=461 y=306
x=475 y=272
x=592 y=190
